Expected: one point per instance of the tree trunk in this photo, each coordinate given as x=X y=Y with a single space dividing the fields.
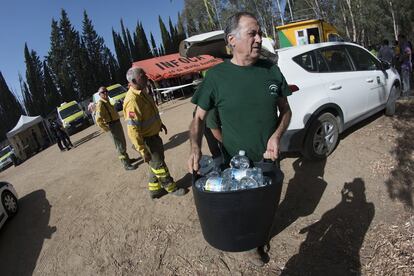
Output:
x=345 y=22
x=354 y=33
x=394 y=24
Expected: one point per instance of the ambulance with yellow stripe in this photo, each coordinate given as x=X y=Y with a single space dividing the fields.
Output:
x=72 y=117
x=116 y=94
x=306 y=32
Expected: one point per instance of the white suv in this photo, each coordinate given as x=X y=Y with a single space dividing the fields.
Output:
x=335 y=85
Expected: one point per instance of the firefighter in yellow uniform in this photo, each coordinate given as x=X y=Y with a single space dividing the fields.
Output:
x=144 y=125
x=108 y=119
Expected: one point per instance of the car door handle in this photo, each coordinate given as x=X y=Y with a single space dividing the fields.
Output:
x=335 y=87
x=370 y=80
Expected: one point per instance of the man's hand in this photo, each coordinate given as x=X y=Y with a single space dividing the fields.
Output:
x=272 y=150
x=195 y=156
x=163 y=127
x=146 y=157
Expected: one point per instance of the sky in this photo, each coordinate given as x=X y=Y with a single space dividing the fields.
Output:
x=29 y=21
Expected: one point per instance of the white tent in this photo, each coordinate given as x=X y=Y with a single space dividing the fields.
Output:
x=28 y=136
x=24 y=123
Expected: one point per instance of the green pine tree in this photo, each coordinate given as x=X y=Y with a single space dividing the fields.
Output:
x=10 y=108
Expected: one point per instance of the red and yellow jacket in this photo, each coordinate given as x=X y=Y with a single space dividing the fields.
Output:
x=142 y=117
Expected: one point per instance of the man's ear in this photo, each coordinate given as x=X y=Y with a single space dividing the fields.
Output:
x=231 y=39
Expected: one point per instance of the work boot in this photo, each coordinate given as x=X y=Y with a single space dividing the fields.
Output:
x=178 y=192
x=130 y=167
x=157 y=193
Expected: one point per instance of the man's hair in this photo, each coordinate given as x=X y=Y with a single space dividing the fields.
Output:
x=133 y=74
x=232 y=23
x=385 y=42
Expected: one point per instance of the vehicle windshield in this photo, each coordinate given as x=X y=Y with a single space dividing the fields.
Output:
x=5 y=151
x=116 y=91
x=68 y=111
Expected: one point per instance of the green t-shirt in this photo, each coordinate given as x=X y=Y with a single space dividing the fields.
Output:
x=246 y=101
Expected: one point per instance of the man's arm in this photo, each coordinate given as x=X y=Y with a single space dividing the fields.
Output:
x=133 y=120
x=217 y=134
x=99 y=117
x=272 y=151
x=196 y=134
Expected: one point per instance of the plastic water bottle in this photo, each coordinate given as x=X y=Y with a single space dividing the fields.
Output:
x=200 y=183
x=248 y=183
x=214 y=184
x=256 y=174
x=229 y=182
x=206 y=164
x=240 y=161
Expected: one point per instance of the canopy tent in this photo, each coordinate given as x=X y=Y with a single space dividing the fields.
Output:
x=174 y=65
x=28 y=136
x=24 y=123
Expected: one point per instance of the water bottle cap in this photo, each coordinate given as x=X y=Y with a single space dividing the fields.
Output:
x=242 y=152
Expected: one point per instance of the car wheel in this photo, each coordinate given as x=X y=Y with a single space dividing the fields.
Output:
x=9 y=202
x=322 y=137
x=392 y=98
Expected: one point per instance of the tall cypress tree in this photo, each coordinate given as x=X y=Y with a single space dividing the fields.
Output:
x=154 y=46
x=94 y=46
x=10 y=108
x=55 y=60
x=34 y=78
x=27 y=97
x=135 y=54
x=166 y=38
x=124 y=41
x=52 y=95
x=121 y=53
x=142 y=42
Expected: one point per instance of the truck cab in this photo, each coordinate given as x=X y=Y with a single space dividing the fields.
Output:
x=72 y=117
x=306 y=32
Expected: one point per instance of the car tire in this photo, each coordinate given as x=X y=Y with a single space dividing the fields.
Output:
x=392 y=99
x=322 y=137
x=9 y=202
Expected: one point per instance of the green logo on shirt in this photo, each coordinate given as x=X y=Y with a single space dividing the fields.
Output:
x=273 y=89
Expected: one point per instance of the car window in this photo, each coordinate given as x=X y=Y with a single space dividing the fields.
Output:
x=307 y=61
x=337 y=59
x=322 y=65
x=363 y=60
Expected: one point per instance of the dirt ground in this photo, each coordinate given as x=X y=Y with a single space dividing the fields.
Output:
x=82 y=214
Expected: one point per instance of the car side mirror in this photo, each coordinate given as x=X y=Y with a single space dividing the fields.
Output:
x=385 y=65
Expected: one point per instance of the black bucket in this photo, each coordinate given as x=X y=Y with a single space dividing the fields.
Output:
x=238 y=221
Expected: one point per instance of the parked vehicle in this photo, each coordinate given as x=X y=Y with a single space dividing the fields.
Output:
x=9 y=203
x=72 y=117
x=7 y=157
x=116 y=94
x=306 y=32
x=335 y=85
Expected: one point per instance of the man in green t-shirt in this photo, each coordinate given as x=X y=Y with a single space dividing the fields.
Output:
x=247 y=93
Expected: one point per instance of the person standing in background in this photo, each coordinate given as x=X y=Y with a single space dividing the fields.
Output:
x=108 y=119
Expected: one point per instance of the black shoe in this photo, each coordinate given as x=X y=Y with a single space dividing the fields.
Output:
x=133 y=160
x=130 y=167
x=158 y=193
x=178 y=192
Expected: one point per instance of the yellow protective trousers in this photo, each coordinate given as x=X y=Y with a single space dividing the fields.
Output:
x=159 y=176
